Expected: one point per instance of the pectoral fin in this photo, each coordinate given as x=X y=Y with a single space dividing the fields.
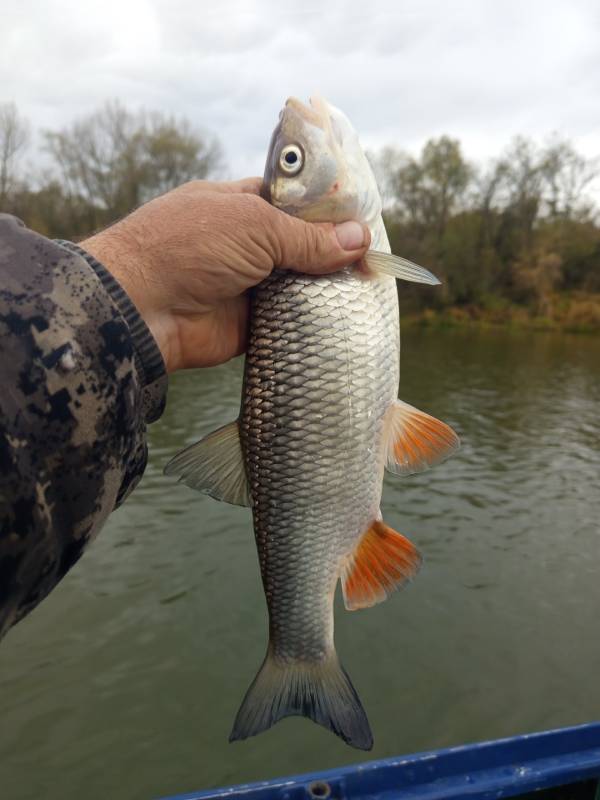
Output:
x=399 y=268
x=415 y=441
x=214 y=466
x=383 y=561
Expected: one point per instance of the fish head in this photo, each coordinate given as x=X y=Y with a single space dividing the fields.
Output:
x=316 y=168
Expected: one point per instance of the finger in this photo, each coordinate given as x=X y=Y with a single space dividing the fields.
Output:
x=246 y=185
x=316 y=248
x=243 y=186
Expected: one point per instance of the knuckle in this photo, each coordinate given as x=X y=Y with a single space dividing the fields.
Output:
x=250 y=207
x=252 y=218
x=251 y=185
x=192 y=186
x=322 y=243
x=308 y=246
x=305 y=246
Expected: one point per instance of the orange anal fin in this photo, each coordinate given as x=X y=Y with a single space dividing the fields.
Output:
x=383 y=561
x=415 y=441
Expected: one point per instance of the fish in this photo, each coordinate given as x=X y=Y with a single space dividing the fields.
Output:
x=319 y=422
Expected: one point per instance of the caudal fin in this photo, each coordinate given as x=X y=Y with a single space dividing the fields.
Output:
x=321 y=691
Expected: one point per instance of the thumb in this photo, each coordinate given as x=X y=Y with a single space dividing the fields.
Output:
x=317 y=247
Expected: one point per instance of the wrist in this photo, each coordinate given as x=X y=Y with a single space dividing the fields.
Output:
x=149 y=362
x=122 y=256
x=121 y=253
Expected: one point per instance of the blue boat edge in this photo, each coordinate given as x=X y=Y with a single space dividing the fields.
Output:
x=498 y=768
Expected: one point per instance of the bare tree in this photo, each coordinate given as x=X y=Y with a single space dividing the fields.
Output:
x=14 y=135
x=176 y=153
x=116 y=159
x=567 y=176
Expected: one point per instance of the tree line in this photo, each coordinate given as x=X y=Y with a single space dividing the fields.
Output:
x=521 y=229
x=99 y=168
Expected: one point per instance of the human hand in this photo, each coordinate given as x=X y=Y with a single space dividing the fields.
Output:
x=187 y=258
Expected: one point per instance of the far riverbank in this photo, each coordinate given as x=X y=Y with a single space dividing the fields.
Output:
x=576 y=312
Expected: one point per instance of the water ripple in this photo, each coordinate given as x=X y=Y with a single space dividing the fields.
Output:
x=140 y=657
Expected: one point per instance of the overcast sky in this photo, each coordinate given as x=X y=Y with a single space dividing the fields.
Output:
x=403 y=70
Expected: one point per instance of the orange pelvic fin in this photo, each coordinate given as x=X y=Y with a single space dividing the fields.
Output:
x=415 y=441
x=383 y=561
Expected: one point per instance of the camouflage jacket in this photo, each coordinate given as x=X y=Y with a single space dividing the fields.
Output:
x=80 y=378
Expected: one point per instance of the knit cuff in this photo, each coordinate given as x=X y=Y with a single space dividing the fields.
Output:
x=148 y=358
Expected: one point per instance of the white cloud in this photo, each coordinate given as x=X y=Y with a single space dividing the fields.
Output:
x=403 y=71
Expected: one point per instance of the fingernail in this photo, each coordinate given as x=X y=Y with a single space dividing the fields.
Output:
x=350 y=235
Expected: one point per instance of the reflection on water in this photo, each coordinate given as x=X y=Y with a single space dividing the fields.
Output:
x=125 y=682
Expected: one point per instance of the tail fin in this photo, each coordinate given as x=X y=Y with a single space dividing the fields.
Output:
x=321 y=691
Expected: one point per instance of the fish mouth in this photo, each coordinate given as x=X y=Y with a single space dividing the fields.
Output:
x=315 y=113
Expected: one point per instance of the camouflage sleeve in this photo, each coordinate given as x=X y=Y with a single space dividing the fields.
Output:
x=80 y=378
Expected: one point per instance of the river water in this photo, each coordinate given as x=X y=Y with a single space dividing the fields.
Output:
x=125 y=682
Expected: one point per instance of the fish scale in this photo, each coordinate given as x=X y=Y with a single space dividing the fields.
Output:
x=311 y=432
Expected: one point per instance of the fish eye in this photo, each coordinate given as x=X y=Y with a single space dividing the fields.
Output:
x=291 y=159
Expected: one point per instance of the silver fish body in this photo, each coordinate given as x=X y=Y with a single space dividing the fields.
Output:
x=319 y=422
x=321 y=372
